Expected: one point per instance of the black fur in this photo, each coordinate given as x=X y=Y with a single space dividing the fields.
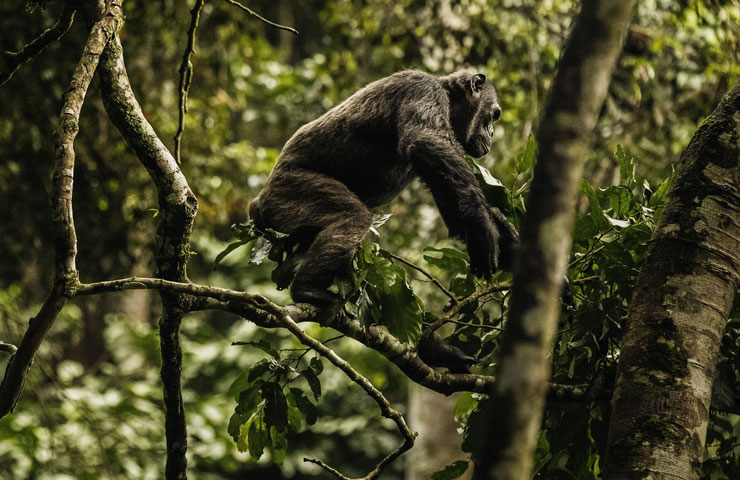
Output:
x=363 y=152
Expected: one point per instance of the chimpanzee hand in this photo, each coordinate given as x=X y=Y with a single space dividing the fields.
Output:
x=482 y=240
x=508 y=238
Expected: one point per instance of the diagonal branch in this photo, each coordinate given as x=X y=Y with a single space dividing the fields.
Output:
x=261 y=18
x=385 y=408
x=436 y=282
x=14 y=60
x=65 y=240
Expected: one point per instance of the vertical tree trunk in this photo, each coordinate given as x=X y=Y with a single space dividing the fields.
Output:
x=679 y=311
x=517 y=400
x=438 y=443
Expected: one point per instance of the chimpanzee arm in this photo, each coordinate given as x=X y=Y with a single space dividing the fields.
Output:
x=440 y=163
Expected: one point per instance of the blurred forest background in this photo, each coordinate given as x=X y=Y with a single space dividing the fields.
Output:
x=92 y=404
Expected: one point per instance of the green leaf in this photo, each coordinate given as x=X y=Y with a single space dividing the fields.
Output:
x=525 y=161
x=595 y=211
x=309 y=410
x=313 y=381
x=626 y=168
x=451 y=472
x=465 y=404
x=620 y=199
x=229 y=248
x=316 y=365
x=258 y=370
x=276 y=405
x=235 y=423
x=585 y=230
x=279 y=445
x=450 y=260
x=294 y=417
x=462 y=285
x=493 y=189
x=253 y=436
x=660 y=193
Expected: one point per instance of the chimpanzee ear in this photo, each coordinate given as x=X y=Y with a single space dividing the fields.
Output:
x=477 y=81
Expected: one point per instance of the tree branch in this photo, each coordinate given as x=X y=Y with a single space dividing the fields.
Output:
x=287 y=322
x=263 y=19
x=464 y=303
x=178 y=206
x=264 y=313
x=65 y=240
x=186 y=76
x=426 y=274
x=14 y=60
x=517 y=400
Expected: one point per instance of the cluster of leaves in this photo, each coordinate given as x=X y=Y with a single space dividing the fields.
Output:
x=269 y=406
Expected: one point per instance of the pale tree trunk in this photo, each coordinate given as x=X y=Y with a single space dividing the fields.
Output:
x=438 y=443
x=518 y=396
x=679 y=311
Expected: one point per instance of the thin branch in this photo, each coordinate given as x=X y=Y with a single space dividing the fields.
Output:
x=8 y=347
x=260 y=17
x=428 y=275
x=385 y=408
x=491 y=289
x=14 y=60
x=64 y=233
x=186 y=76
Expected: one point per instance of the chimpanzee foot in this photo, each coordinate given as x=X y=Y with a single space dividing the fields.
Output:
x=315 y=297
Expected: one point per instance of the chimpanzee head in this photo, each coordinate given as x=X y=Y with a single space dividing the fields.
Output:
x=473 y=109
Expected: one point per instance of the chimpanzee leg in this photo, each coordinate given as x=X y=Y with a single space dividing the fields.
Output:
x=330 y=253
x=298 y=201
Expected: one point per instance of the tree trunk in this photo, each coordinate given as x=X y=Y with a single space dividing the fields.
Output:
x=518 y=397
x=679 y=311
x=438 y=443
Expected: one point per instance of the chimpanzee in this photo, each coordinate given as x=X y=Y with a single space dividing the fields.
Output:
x=363 y=152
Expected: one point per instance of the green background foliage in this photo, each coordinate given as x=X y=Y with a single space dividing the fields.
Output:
x=92 y=404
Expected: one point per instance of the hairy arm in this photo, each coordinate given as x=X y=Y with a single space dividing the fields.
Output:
x=440 y=163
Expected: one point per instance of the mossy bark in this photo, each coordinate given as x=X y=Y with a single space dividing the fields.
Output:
x=679 y=311
x=518 y=396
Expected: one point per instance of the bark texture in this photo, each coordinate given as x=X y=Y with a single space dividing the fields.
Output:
x=65 y=239
x=178 y=207
x=577 y=94
x=679 y=311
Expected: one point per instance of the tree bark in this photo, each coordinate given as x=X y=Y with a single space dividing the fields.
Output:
x=517 y=399
x=678 y=314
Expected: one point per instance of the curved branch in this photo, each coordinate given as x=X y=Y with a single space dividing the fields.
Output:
x=65 y=239
x=14 y=60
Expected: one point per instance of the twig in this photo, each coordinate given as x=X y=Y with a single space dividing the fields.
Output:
x=13 y=60
x=186 y=76
x=385 y=408
x=260 y=17
x=428 y=275
x=8 y=347
x=465 y=302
